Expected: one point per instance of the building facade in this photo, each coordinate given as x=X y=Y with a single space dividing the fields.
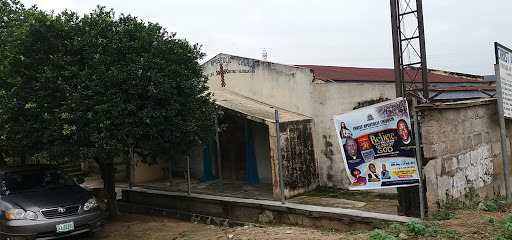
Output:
x=310 y=96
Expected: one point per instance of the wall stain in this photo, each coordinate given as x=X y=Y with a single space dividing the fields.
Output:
x=298 y=155
x=367 y=103
x=328 y=153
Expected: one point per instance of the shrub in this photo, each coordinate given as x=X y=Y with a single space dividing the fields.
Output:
x=415 y=229
x=378 y=234
x=443 y=214
x=490 y=206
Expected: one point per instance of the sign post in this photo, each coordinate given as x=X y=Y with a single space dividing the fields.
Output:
x=503 y=71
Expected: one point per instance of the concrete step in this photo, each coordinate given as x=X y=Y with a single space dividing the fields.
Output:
x=140 y=200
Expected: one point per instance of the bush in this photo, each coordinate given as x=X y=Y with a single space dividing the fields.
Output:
x=428 y=229
x=378 y=234
x=490 y=206
x=443 y=214
x=472 y=198
x=415 y=229
x=508 y=230
x=490 y=220
x=394 y=229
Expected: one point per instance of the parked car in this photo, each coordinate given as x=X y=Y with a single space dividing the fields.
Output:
x=42 y=202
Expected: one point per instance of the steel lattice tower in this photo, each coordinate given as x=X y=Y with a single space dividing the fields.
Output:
x=409 y=52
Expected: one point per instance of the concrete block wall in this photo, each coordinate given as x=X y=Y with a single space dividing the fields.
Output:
x=462 y=149
x=334 y=98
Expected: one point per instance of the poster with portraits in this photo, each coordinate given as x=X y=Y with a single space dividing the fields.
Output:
x=377 y=147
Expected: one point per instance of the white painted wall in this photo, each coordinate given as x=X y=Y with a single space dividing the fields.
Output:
x=283 y=86
x=146 y=173
x=334 y=98
x=294 y=89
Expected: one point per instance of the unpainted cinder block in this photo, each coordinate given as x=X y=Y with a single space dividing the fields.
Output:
x=477 y=139
x=467 y=143
x=429 y=151
x=455 y=146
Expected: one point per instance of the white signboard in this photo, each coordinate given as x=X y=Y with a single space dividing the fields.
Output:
x=504 y=75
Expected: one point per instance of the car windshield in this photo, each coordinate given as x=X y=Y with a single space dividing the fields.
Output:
x=33 y=180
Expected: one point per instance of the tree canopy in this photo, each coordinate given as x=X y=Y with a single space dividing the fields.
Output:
x=98 y=86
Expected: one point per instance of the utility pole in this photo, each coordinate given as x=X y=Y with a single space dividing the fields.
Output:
x=410 y=62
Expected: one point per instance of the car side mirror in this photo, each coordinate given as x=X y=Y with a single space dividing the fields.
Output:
x=80 y=180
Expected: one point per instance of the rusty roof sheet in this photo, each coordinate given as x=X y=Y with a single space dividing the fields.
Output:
x=383 y=75
x=475 y=88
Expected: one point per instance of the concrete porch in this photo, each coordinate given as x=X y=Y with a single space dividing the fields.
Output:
x=231 y=211
x=231 y=188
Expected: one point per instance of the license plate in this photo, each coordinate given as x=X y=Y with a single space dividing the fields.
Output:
x=65 y=227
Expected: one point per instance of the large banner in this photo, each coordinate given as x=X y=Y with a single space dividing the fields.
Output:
x=377 y=146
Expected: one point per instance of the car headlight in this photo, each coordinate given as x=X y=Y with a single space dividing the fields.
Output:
x=20 y=214
x=91 y=203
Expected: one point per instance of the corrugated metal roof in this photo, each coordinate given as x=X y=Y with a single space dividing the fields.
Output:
x=483 y=88
x=381 y=75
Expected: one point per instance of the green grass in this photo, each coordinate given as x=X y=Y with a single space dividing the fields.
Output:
x=186 y=236
x=412 y=229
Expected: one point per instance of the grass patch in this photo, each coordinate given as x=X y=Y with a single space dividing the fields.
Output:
x=501 y=229
x=490 y=220
x=443 y=214
x=378 y=234
x=413 y=229
x=186 y=236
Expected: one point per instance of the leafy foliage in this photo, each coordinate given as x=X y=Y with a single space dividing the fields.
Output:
x=502 y=228
x=443 y=214
x=472 y=198
x=378 y=234
x=412 y=229
x=99 y=86
x=490 y=206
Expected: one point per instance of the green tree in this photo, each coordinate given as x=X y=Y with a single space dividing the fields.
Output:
x=103 y=87
x=14 y=19
x=145 y=93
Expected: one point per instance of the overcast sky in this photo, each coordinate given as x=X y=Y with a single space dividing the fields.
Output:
x=460 y=34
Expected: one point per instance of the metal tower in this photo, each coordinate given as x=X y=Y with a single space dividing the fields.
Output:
x=264 y=54
x=409 y=52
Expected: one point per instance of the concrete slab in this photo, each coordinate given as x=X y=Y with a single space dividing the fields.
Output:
x=258 y=211
x=364 y=201
x=329 y=202
x=253 y=109
x=230 y=188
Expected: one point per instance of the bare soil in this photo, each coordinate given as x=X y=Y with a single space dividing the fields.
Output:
x=468 y=225
x=131 y=227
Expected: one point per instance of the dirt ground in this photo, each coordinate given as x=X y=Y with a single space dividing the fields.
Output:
x=343 y=198
x=473 y=224
x=131 y=227
x=468 y=225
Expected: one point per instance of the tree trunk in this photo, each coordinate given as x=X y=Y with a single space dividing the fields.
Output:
x=108 y=175
x=23 y=159
x=2 y=160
